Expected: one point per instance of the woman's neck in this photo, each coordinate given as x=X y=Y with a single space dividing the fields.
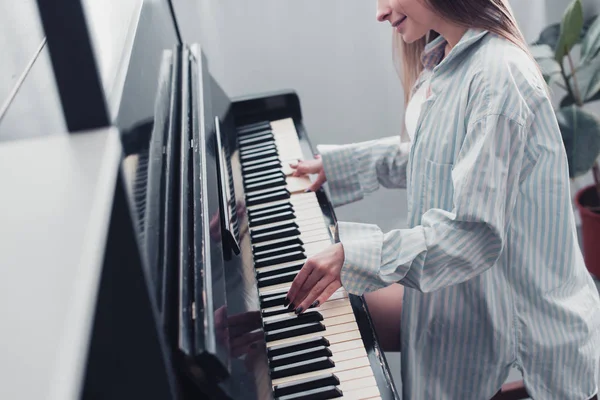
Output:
x=452 y=34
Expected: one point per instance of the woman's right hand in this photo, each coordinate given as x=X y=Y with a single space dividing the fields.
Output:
x=305 y=167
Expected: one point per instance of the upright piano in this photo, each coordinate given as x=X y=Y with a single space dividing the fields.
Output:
x=221 y=230
x=225 y=228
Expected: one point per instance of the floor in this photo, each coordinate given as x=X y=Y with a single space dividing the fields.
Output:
x=393 y=360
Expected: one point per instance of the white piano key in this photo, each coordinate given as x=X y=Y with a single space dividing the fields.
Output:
x=348 y=355
x=361 y=394
x=335 y=338
x=339 y=320
x=297 y=184
x=267 y=205
x=347 y=345
x=316 y=247
x=338 y=294
x=341 y=328
x=262 y=253
x=310 y=223
x=327 y=313
x=339 y=367
x=305 y=237
x=360 y=383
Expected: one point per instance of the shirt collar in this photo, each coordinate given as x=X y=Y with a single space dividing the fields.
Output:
x=434 y=51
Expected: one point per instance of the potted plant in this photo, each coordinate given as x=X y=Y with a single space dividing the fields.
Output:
x=577 y=74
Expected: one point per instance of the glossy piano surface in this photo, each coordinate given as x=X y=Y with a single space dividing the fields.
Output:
x=283 y=110
x=208 y=246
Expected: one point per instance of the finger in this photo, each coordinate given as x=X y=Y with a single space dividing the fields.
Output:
x=316 y=275
x=299 y=280
x=307 y=167
x=240 y=344
x=316 y=185
x=316 y=292
x=327 y=293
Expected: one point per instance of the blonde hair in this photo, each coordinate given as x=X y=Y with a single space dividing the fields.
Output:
x=495 y=16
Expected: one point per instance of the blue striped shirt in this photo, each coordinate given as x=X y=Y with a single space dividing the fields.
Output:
x=490 y=261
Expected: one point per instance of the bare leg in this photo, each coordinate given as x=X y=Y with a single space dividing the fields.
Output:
x=385 y=308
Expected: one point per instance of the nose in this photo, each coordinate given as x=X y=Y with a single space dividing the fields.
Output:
x=383 y=11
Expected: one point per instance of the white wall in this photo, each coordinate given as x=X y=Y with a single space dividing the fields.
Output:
x=338 y=58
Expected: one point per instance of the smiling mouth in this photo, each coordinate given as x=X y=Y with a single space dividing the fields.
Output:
x=401 y=20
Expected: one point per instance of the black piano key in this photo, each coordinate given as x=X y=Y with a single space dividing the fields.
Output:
x=328 y=392
x=311 y=316
x=253 y=127
x=276 y=311
x=247 y=164
x=270 y=229
x=262 y=174
x=260 y=254
x=281 y=194
x=266 y=166
x=292 y=358
x=278 y=271
x=255 y=134
x=278 y=182
x=286 y=232
x=248 y=136
x=306 y=384
x=297 y=346
x=280 y=310
x=302 y=367
x=256 y=155
x=272 y=301
x=284 y=277
x=262 y=178
x=256 y=139
x=257 y=146
x=270 y=210
x=293 y=331
x=278 y=244
x=258 y=149
x=271 y=218
x=279 y=259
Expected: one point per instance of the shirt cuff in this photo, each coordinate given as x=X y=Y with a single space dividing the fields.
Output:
x=348 y=174
x=373 y=260
x=362 y=257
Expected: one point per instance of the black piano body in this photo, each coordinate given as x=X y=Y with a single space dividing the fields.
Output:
x=220 y=231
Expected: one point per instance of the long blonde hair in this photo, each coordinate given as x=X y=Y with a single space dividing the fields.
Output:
x=495 y=16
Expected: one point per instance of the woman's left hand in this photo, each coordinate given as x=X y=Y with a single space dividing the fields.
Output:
x=318 y=279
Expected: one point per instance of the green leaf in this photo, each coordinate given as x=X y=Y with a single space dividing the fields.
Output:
x=588 y=78
x=581 y=136
x=544 y=56
x=549 y=36
x=570 y=29
x=551 y=33
x=590 y=46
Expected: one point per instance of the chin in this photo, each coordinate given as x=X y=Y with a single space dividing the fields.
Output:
x=412 y=33
x=410 y=37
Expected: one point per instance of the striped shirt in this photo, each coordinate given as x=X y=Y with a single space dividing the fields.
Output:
x=493 y=272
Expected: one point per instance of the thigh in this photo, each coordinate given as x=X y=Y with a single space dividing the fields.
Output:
x=385 y=309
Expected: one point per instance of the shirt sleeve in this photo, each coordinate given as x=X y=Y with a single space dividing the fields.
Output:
x=449 y=247
x=358 y=169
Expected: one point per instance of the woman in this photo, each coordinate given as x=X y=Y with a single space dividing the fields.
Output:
x=491 y=267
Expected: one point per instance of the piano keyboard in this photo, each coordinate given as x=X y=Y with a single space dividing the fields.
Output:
x=318 y=354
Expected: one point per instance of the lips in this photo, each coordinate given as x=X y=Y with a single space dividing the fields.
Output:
x=401 y=20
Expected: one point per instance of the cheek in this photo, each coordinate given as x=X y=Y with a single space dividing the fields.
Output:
x=417 y=10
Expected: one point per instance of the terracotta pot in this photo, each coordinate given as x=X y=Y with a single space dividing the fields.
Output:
x=590 y=228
